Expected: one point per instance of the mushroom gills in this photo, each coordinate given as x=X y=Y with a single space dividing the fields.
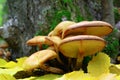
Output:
x=80 y=46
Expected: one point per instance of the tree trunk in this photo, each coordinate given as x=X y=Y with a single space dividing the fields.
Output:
x=107 y=11
x=28 y=17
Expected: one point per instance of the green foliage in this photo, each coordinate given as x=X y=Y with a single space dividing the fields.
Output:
x=66 y=1
x=58 y=17
x=117 y=15
x=2 y=11
x=67 y=11
x=116 y=3
x=112 y=47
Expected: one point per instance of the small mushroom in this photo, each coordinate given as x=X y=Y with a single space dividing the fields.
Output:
x=4 y=53
x=81 y=46
x=60 y=28
x=38 y=40
x=3 y=44
x=98 y=28
x=39 y=59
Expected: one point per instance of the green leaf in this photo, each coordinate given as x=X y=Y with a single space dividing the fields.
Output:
x=6 y=77
x=2 y=1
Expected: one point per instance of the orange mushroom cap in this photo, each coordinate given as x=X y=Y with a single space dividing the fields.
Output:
x=39 y=59
x=36 y=60
x=38 y=40
x=98 y=28
x=60 y=28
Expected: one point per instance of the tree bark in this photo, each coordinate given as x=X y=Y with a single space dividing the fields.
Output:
x=107 y=11
x=27 y=17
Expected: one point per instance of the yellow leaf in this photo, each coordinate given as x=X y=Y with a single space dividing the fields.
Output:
x=99 y=64
x=10 y=71
x=118 y=77
x=107 y=76
x=77 y=75
x=13 y=64
x=2 y=62
x=44 y=77
x=20 y=61
x=6 y=77
x=10 y=64
x=115 y=69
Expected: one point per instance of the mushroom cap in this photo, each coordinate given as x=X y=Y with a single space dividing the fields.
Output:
x=54 y=39
x=81 y=45
x=98 y=28
x=50 y=33
x=3 y=44
x=60 y=28
x=36 y=60
x=38 y=40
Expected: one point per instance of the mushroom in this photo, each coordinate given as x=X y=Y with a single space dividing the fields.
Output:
x=60 y=28
x=52 y=41
x=39 y=59
x=81 y=46
x=98 y=28
x=3 y=44
x=50 y=33
x=4 y=53
x=56 y=41
x=38 y=40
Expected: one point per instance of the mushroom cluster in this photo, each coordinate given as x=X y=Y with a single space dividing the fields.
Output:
x=72 y=40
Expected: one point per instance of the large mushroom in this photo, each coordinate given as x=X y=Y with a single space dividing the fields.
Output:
x=98 y=28
x=80 y=46
x=39 y=59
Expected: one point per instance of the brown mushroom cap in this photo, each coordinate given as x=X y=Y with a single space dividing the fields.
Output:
x=36 y=60
x=54 y=39
x=37 y=40
x=3 y=44
x=50 y=33
x=98 y=28
x=82 y=45
x=60 y=27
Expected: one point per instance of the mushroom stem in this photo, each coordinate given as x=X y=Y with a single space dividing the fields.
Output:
x=51 y=69
x=58 y=58
x=40 y=46
x=78 y=63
